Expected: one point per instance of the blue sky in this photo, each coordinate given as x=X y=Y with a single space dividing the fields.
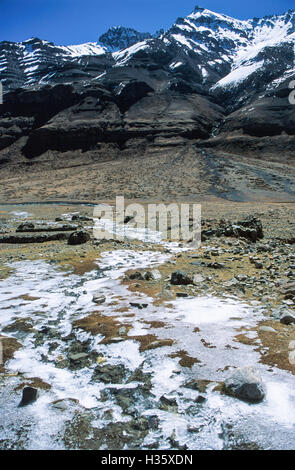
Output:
x=78 y=21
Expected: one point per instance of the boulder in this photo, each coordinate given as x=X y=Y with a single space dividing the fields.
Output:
x=78 y=238
x=128 y=219
x=153 y=275
x=138 y=305
x=99 y=298
x=179 y=278
x=245 y=384
x=136 y=276
x=30 y=395
x=287 y=319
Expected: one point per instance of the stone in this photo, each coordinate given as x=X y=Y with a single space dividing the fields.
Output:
x=245 y=384
x=267 y=329
x=198 y=278
x=30 y=395
x=99 y=298
x=128 y=219
x=138 y=305
x=78 y=238
x=216 y=265
x=65 y=403
x=258 y=265
x=27 y=226
x=179 y=278
x=153 y=275
x=136 y=276
x=287 y=319
x=109 y=373
x=78 y=356
x=167 y=401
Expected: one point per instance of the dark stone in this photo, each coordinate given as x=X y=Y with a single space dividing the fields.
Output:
x=128 y=219
x=138 y=305
x=34 y=238
x=109 y=373
x=26 y=227
x=168 y=401
x=30 y=395
x=179 y=278
x=78 y=238
x=200 y=399
x=287 y=319
x=250 y=392
x=47 y=228
x=216 y=265
x=137 y=276
x=246 y=384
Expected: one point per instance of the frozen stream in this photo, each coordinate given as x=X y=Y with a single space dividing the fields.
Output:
x=204 y=327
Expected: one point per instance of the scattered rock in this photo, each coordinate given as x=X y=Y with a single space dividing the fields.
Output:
x=246 y=384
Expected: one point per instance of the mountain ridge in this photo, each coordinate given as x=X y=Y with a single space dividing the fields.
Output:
x=211 y=91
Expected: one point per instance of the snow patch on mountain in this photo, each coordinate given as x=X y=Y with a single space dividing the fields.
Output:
x=238 y=75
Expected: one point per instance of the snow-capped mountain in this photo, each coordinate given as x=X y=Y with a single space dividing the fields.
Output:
x=208 y=75
x=205 y=48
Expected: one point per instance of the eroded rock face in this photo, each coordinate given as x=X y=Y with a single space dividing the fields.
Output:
x=246 y=384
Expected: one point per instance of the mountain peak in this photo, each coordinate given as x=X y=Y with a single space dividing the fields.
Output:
x=120 y=37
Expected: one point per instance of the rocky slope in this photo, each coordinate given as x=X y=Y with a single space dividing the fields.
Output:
x=212 y=88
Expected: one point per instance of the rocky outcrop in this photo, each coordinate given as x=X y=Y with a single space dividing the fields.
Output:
x=40 y=238
x=250 y=228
